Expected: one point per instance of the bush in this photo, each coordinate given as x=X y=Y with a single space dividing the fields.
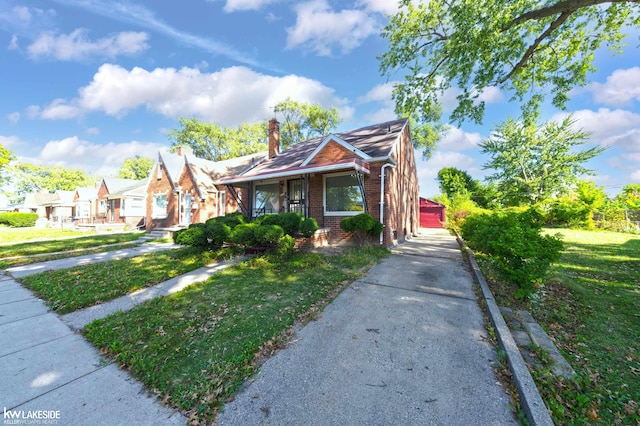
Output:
x=308 y=227
x=267 y=235
x=285 y=246
x=217 y=233
x=231 y=220
x=568 y=212
x=244 y=235
x=514 y=243
x=289 y=222
x=193 y=236
x=362 y=222
x=18 y=220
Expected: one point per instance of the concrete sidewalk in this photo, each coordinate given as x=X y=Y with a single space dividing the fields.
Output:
x=47 y=367
x=404 y=345
x=34 y=268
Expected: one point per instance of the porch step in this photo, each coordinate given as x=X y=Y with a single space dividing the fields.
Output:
x=160 y=233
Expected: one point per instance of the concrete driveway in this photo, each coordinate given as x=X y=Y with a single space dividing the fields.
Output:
x=404 y=345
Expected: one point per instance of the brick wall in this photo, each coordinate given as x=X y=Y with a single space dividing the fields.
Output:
x=161 y=186
x=332 y=151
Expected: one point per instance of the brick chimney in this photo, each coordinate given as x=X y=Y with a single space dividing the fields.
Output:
x=274 y=138
x=183 y=150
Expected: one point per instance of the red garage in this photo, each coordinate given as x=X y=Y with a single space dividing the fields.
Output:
x=432 y=214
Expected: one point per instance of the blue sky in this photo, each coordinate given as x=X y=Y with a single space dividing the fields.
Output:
x=88 y=83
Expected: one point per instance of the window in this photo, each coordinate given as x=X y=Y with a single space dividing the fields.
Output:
x=342 y=195
x=267 y=199
x=159 y=207
x=222 y=203
x=102 y=207
x=83 y=209
x=135 y=207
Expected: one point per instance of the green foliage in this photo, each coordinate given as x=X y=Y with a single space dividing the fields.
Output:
x=362 y=222
x=214 y=142
x=308 y=227
x=514 y=243
x=302 y=121
x=527 y=48
x=136 y=168
x=285 y=246
x=453 y=181
x=193 y=236
x=30 y=178
x=630 y=196
x=267 y=235
x=244 y=235
x=18 y=220
x=6 y=157
x=231 y=220
x=217 y=232
x=289 y=221
x=533 y=163
x=566 y=211
x=458 y=208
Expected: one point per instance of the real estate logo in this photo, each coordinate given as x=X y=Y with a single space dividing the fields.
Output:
x=30 y=417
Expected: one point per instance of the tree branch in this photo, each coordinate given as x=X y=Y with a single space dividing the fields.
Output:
x=560 y=7
x=554 y=25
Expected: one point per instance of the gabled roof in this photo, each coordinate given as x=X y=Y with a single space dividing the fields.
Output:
x=207 y=173
x=374 y=142
x=117 y=185
x=60 y=198
x=86 y=193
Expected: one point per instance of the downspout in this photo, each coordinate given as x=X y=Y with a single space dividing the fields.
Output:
x=382 y=198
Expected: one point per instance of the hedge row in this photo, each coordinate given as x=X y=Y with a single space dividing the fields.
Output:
x=275 y=232
x=18 y=220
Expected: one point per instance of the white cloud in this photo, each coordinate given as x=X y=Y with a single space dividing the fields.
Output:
x=93 y=131
x=609 y=127
x=457 y=139
x=236 y=5
x=380 y=93
x=13 y=117
x=76 y=46
x=635 y=176
x=101 y=160
x=386 y=7
x=13 y=44
x=620 y=89
x=10 y=141
x=319 y=28
x=228 y=97
x=428 y=170
x=25 y=21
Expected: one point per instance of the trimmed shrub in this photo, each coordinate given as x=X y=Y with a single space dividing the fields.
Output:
x=362 y=222
x=217 y=233
x=285 y=246
x=18 y=220
x=192 y=236
x=231 y=220
x=289 y=222
x=515 y=245
x=244 y=235
x=268 y=235
x=308 y=227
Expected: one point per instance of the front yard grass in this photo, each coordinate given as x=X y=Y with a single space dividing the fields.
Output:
x=196 y=347
x=590 y=306
x=67 y=290
x=23 y=248
x=9 y=235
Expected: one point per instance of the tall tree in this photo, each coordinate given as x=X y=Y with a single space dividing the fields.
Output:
x=532 y=163
x=32 y=178
x=135 y=167
x=630 y=196
x=6 y=157
x=454 y=181
x=527 y=48
x=302 y=121
x=214 y=142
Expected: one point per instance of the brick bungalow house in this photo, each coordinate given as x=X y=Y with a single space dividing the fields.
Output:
x=121 y=201
x=181 y=188
x=371 y=170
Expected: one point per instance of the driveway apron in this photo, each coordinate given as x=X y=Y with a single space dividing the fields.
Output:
x=404 y=345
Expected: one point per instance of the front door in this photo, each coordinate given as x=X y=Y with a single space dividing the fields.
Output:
x=112 y=211
x=296 y=196
x=186 y=217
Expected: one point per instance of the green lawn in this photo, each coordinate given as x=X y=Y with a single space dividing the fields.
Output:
x=67 y=247
x=195 y=348
x=590 y=305
x=10 y=235
x=67 y=290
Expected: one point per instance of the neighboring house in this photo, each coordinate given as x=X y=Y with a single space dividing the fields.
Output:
x=432 y=214
x=34 y=203
x=86 y=200
x=181 y=188
x=60 y=207
x=371 y=170
x=121 y=201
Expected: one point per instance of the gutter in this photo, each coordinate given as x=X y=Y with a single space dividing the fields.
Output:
x=382 y=198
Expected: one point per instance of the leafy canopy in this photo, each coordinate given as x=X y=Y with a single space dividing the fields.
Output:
x=214 y=142
x=6 y=157
x=532 y=163
x=528 y=48
x=31 y=178
x=136 y=168
x=302 y=121
x=454 y=181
